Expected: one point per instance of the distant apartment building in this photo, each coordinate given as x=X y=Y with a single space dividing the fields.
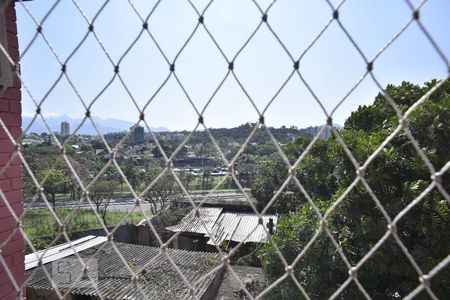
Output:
x=65 y=129
x=312 y=131
x=113 y=138
x=136 y=136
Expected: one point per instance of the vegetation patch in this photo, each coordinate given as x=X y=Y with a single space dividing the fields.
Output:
x=42 y=228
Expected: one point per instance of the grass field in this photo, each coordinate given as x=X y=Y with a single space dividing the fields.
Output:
x=38 y=223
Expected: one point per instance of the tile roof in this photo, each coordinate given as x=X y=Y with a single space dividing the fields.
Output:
x=159 y=280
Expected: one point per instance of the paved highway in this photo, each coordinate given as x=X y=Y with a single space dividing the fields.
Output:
x=127 y=203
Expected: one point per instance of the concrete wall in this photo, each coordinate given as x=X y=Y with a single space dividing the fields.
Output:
x=214 y=286
x=146 y=236
x=11 y=175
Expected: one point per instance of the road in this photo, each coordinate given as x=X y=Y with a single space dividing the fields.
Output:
x=220 y=197
x=117 y=203
x=127 y=203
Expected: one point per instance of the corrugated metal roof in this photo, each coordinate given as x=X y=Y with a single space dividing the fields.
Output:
x=240 y=227
x=61 y=251
x=225 y=226
x=159 y=280
x=192 y=223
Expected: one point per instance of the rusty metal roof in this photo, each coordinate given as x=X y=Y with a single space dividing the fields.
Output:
x=159 y=280
x=206 y=218
x=240 y=227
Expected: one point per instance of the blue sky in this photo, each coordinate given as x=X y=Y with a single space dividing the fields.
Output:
x=331 y=67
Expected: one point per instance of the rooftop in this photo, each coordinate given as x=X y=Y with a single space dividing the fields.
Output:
x=225 y=225
x=157 y=280
x=206 y=218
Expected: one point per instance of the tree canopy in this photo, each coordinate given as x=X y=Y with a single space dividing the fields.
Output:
x=396 y=176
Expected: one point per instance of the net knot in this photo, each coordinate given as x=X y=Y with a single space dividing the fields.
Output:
x=392 y=228
x=225 y=260
x=330 y=121
x=264 y=17
x=289 y=270
x=336 y=14
x=425 y=280
x=361 y=172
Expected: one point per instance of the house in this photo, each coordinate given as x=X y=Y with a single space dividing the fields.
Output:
x=108 y=275
x=215 y=226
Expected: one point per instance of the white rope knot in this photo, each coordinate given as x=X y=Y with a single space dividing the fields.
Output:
x=289 y=269
x=361 y=172
x=392 y=228
x=437 y=177
x=292 y=172
x=425 y=280
x=323 y=224
x=353 y=272
x=225 y=260
x=403 y=122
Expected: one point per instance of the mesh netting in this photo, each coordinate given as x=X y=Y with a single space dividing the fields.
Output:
x=292 y=178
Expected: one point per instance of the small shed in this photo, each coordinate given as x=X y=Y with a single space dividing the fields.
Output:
x=215 y=226
x=193 y=229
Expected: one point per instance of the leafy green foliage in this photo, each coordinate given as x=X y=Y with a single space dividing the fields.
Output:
x=396 y=176
x=55 y=182
x=101 y=194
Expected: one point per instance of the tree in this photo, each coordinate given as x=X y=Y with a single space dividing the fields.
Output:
x=396 y=176
x=206 y=178
x=247 y=169
x=168 y=149
x=271 y=175
x=186 y=178
x=56 y=182
x=133 y=174
x=101 y=194
x=163 y=193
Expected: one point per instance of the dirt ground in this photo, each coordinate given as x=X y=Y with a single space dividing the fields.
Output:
x=253 y=278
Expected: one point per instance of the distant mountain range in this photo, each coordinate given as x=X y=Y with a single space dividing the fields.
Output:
x=103 y=125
